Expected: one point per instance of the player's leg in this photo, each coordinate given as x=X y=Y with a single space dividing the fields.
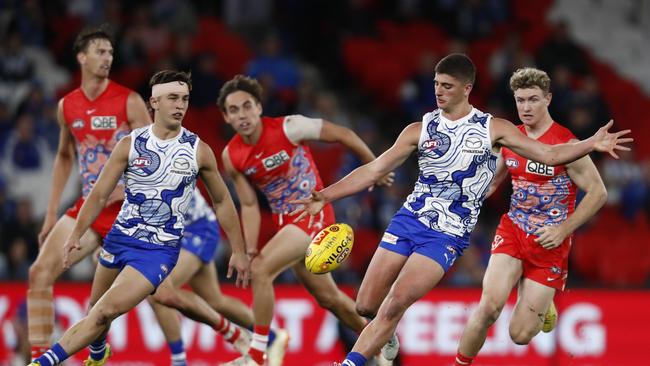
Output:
x=171 y=327
x=527 y=319
x=502 y=274
x=130 y=287
x=206 y=284
x=44 y=272
x=99 y=350
x=419 y=275
x=330 y=297
x=382 y=272
x=283 y=250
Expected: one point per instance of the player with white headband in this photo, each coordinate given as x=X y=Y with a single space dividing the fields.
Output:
x=160 y=164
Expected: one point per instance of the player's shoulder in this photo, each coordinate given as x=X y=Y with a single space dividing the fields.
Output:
x=561 y=132
x=119 y=88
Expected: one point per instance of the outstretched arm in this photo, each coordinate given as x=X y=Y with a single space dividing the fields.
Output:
x=506 y=134
x=250 y=209
x=368 y=174
x=96 y=200
x=226 y=212
x=584 y=174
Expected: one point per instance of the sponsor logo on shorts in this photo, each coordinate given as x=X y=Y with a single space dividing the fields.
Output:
x=106 y=256
x=389 y=238
x=498 y=240
x=348 y=363
x=164 y=268
x=103 y=122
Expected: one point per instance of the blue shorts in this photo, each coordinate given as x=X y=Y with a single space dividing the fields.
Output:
x=406 y=235
x=201 y=238
x=155 y=262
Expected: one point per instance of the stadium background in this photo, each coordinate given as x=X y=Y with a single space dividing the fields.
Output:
x=366 y=64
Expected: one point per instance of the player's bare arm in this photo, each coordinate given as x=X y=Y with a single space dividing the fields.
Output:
x=137 y=112
x=63 y=162
x=96 y=200
x=584 y=174
x=331 y=132
x=499 y=175
x=504 y=133
x=225 y=211
x=250 y=209
x=365 y=175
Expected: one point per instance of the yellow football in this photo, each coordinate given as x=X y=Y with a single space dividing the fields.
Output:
x=329 y=248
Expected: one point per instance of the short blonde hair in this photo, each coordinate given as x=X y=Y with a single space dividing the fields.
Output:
x=529 y=77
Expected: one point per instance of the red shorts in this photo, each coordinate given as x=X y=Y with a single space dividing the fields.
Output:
x=548 y=267
x=104 y=221
x=322 y=220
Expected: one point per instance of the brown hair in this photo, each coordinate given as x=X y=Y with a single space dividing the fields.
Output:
x=239 y=82
x=459 y=66
x=529 y=77
x=91 y=34
x=166 y=76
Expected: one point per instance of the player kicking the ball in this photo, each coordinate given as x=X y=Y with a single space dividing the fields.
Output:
x=269 y=153
x=457 y=154
x=532 y=243
x=160 y=164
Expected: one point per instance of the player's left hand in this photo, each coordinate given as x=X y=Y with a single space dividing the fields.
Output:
x=239 y=262
x=550 y=237
x=604 y=141
x=70 y=245
x=387 y=180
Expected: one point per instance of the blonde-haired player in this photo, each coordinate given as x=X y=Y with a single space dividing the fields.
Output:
x=532 y=243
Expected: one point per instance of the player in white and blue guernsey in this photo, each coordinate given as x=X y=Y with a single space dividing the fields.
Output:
x=160 y=164
x=457 y=149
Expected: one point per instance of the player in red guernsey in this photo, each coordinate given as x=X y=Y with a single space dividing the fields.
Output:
x=92 y=119
x=269 y=153
x=532 y=243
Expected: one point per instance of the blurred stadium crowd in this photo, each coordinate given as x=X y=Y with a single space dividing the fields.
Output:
x=366 y=64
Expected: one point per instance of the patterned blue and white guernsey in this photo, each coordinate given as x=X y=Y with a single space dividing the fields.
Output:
x=160 y=181
x=457 y=165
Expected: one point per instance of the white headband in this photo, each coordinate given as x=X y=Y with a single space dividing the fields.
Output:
x=178 y=87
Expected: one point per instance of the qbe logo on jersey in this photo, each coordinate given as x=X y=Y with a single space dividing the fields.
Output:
x=539 y=168
x=275 y=160
x=103 y=122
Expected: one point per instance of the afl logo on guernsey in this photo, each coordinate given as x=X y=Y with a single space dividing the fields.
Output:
x=141 y=162
x=77 y=123
x=437 y=145
x=512 y=163
x=103 y=122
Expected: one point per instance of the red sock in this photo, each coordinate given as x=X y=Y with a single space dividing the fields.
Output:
x=228 y=330
x=463 y=360
x=258 y=345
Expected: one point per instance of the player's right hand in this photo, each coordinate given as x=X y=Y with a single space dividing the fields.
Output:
x=239 y=262
x=70 y=245
x=309 y=206
x=48 y=224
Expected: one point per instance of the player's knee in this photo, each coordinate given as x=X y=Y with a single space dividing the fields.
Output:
x=365 y=310
x=489 y=310
x=169 y=299
x=104 y=315
x=259 y=273
x=395 y=304
x=39 y=275
x=522 y=336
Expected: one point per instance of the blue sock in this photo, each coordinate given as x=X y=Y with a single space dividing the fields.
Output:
x=98 y=348
x=178 y=353
x=53 y=356
x=271 y=335
x=354 y=359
